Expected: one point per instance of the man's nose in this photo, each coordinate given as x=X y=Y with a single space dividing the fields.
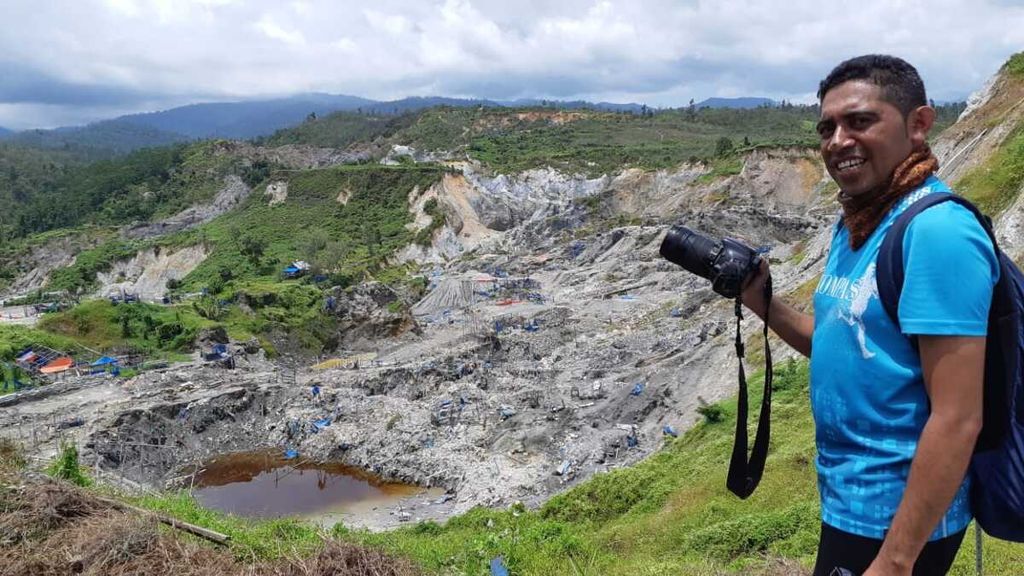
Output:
x=840 y=139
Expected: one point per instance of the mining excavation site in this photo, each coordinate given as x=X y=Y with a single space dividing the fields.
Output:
x=532 y=362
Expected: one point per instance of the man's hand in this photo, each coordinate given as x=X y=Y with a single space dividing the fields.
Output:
x=793 y=327
x=753 y=290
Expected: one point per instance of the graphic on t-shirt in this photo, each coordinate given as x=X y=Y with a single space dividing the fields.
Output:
x=861 y=293
x=853 y=302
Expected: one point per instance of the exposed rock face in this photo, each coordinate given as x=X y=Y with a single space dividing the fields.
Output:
x=230 y=196
x=278 y=192
x=508 y=201
x=146 y=275
x=41 y=260
x=294 y=156
x=993 y=113
x=368 y=314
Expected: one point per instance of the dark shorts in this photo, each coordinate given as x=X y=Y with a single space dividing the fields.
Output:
x=839 y=551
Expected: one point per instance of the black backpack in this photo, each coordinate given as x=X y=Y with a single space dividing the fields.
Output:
x=997 y=466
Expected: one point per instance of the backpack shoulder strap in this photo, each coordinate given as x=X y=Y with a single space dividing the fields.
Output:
x=889 y=272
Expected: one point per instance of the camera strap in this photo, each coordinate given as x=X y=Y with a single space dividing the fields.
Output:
x=744 y=473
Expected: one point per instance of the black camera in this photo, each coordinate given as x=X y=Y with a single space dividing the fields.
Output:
x=727 y=263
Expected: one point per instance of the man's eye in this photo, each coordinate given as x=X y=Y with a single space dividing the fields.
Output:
x=860 y=122
x=826 y=131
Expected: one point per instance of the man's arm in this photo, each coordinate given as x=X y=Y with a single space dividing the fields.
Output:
x=954 y=369
x=794 y=327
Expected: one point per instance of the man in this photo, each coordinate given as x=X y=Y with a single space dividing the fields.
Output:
x=896 y=414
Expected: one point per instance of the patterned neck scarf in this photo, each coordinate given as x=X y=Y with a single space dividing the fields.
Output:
x=863 y=213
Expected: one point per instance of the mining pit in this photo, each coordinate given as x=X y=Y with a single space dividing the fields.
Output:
x=522 y=375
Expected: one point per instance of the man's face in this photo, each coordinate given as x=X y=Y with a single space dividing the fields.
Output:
x=863 y=137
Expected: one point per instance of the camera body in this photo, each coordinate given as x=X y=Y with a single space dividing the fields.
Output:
x=726 y=263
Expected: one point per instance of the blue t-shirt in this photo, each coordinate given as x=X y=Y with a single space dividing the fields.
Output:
x=867 y=391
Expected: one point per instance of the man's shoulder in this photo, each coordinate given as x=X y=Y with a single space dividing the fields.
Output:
x=932 y=185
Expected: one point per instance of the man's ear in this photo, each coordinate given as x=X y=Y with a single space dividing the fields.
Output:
x=919 y=123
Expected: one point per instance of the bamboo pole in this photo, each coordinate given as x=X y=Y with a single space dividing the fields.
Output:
x=206 y=533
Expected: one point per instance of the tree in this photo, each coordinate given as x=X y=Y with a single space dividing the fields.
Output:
x=315 y=242
x=252 y=248
x=723 y=147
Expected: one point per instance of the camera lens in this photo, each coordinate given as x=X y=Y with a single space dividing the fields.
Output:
x=686 y=248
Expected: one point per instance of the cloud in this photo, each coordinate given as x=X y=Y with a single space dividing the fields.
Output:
x=23 y=85
x=662 y=52
x=273 y=30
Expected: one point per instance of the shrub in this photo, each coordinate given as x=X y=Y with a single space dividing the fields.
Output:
x=712 y=413
x=754 y=533
x=11 y=456
x=66 y=466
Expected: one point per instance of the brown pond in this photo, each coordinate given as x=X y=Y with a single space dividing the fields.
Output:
x=266 y=485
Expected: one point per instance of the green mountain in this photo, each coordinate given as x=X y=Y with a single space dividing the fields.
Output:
x=98 y=140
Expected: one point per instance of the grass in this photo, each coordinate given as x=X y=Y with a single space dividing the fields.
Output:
x=601 y=142
x=14 y=339
x=722 y=167
x=101 y=325
x=1015 y=65
x=66 y=466
x=250 y=539
x=995 y=184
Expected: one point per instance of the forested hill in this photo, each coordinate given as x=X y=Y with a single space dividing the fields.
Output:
x=97 y=141
x=51 y=185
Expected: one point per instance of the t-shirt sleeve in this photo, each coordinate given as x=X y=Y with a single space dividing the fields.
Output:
x=950 y=268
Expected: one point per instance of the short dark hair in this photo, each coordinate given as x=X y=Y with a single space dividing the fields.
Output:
x=900 y=83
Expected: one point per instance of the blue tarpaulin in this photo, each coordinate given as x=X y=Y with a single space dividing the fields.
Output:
x=321 y=424
x=668 y=430
x=104 y=361
x=498 y=567
x=638 y=389
x=290 y=454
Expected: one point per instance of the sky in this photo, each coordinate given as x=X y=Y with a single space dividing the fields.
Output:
x=67 y=62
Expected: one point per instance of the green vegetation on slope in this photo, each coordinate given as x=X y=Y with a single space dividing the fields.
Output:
x=995 y=184
x=341 y=130
x=146 y=184
x=101 y=325
x=23 y=172
x=248 y=247
x=1015 y=65
x=347 y=239
x=14 y=339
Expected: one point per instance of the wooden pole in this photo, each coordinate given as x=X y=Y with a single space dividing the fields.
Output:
x=172 y=522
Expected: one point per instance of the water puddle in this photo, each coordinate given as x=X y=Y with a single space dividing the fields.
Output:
x=266 y=485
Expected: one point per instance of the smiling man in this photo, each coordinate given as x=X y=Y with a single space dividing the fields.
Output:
x=897 y=407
